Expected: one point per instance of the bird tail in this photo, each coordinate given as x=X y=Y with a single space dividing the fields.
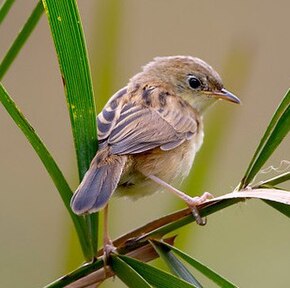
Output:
x=99 y=183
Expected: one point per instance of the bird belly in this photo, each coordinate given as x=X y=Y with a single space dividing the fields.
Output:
x=171 y=166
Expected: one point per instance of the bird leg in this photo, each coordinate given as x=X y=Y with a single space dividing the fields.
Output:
x=192 y=202
x=107 y=242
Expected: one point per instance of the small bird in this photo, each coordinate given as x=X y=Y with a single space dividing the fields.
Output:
x=149 y=133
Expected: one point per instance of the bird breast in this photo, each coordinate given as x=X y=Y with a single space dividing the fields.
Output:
x=171 y=166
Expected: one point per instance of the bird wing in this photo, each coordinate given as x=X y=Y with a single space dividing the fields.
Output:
x=137 y=128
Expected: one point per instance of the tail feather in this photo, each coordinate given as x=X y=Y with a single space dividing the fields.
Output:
x=98 y=185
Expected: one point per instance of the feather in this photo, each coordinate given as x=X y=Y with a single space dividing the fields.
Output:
x=139 y=129
x=107 y=118
x=99 y=183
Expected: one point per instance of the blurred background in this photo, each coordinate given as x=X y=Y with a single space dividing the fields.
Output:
x=246 y=42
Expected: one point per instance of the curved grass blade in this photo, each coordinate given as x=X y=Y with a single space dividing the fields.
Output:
x=154 y=276
x=174 y=264
x=160 y=227
x=274 y=181
x=67 y=32
x=4 y=9
x=48 y=161
x=21 y=39
x=276 y=131
x=282 y=208
x=127 y=274
x=209 y=273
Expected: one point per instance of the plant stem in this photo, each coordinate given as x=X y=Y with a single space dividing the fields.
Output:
x=21 y=38
x=4 y=9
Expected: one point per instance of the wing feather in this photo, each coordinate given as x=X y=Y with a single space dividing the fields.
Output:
x=110 y=114
x=137 y=128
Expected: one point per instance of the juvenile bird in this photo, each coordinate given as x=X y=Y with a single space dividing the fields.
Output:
x=149 y=133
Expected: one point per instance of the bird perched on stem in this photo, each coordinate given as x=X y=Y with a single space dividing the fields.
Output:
x=149 y=133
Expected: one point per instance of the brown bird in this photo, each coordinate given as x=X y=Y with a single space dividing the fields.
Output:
x=149 y=133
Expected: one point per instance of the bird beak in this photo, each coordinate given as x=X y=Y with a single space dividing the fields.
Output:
x=226 y=95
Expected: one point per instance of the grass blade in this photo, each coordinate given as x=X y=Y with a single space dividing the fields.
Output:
x=282 y=208
x=219 y=280
x=4 y=9
x=67 y=32
x=174 y=264
x=171 y=222
x=127 y=274
x=21 y=38
x=276 y=131
x=154 y=276
x=274 y=181
x=48 y=161
x=71 y=49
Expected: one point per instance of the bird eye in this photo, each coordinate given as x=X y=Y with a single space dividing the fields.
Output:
x=194 y=82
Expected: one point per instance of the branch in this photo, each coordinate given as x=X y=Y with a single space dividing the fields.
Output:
x=135 y=243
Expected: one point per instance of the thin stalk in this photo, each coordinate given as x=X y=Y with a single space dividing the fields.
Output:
x=274 y=181
x=21 y=38
x=69 y=39
x=49 y=163
x=4 y=9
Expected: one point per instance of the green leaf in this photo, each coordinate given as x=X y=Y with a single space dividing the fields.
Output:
x=276 y=131
x=173 y=221
x=154 y=276
x=127 y=274
x=174 y=264
x=283 y=208
x=48 y=161
x=275 y=180
x=209 y=273
x=67 y=32
x=4 y=9
x=21 y=38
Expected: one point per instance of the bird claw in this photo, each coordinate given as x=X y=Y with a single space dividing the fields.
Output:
x=193 y=202
x=108 y=249
x=199 y=220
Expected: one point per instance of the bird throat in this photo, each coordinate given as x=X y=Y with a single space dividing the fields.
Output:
x=200 y=102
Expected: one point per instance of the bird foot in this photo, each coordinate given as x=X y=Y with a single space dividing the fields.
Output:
x=192 y=202
x=108 y=249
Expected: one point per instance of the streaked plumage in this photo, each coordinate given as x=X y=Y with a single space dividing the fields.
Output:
x=151 y=127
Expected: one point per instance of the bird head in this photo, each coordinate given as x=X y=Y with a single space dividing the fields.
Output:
x=190 y=78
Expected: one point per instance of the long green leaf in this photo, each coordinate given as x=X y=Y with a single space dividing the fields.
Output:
x=48 y=161
x=127 y=274
x=275 y=180
x=154 y=276
x=67 y=32
x=282 y=208
x=21 y=39
x=174 y=264
x=209 y=273
x=276 y=131
x=4 y=9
